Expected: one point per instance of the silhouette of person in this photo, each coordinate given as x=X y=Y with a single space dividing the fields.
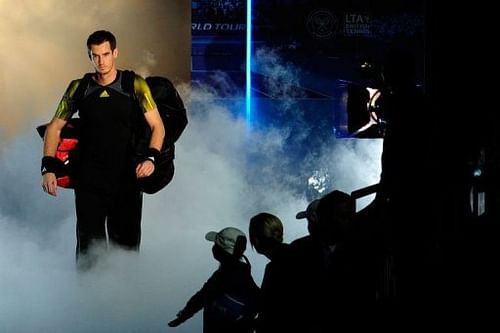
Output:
x=399 y=214
x=334 y=273
x=229 y=298
x=277 y=288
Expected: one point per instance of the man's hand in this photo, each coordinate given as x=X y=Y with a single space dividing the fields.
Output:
x=147 y=167
x=49 y=183
x=144 y=169
x=181 y=317
x=176 y=322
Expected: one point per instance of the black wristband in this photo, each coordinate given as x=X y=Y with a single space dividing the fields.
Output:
x=152 y=154
x=49 y=164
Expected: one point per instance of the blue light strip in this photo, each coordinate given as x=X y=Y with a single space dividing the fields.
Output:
x=248 y=68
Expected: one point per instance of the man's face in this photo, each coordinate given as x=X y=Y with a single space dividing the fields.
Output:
x=103 y=58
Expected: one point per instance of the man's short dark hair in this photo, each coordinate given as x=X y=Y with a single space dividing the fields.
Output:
x=101 y=36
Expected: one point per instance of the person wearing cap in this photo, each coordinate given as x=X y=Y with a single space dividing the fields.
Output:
x=266 y=237
x=328 y=263
x=310 y=215
x=230 y=297
x=329 y=218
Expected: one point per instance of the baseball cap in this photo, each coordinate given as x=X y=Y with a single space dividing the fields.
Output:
x=310 y=211
x=335 y=204
x=227 y=239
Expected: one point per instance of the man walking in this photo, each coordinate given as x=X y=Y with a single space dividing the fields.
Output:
x=108 y=200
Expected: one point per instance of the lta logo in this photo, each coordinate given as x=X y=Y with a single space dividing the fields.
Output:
x=322 y=24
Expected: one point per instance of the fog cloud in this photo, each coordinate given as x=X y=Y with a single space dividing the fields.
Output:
x=216 y=184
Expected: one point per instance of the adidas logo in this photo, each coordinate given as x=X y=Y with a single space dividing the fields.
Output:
x=104 y=94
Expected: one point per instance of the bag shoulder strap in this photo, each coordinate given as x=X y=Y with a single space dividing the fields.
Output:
x=82 y=87
x=128 y=78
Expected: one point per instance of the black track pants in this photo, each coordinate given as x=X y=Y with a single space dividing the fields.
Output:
x=118 y=215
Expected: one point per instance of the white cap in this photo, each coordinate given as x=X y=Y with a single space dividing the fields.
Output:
x=226 y=238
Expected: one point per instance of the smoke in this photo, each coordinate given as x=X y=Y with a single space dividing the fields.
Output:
x=281 y=78
x=224 y=175
x=213 y=188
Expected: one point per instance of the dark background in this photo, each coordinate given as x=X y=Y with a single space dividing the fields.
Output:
x=454 y=65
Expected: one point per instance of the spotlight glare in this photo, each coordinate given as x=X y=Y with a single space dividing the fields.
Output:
x=477 y=172
x=248 y=67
